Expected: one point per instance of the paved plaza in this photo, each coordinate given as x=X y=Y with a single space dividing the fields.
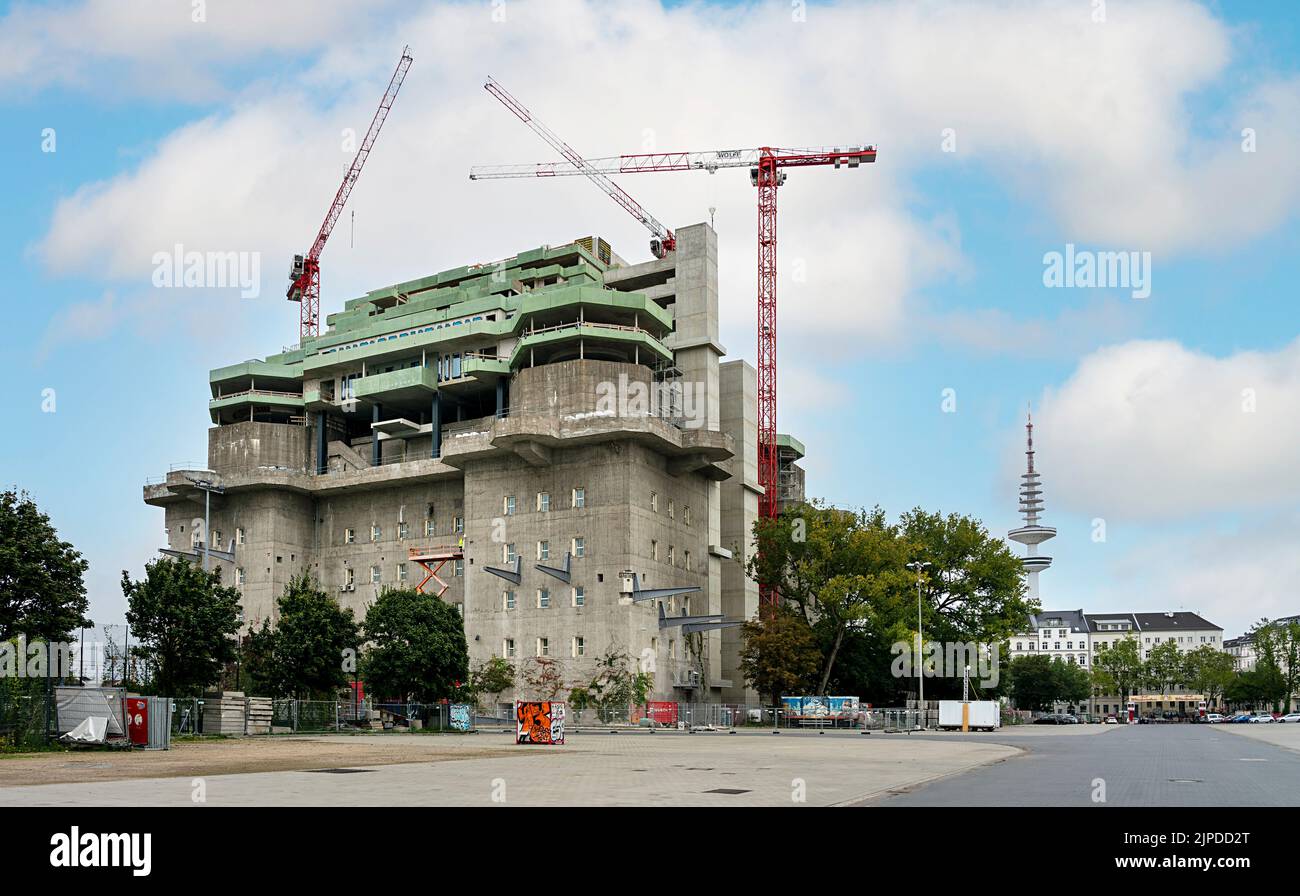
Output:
x=1190 y=765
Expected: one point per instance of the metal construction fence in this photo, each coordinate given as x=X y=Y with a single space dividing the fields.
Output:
x=695 y=716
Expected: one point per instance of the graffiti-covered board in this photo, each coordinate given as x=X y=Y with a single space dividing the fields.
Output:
x=539 y=722
x=460 y=716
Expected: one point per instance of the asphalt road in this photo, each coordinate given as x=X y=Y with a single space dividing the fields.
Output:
x=1139 y=765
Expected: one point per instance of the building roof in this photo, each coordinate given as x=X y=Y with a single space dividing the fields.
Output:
x=1096 y=620
x=1179 y=621
x=1074 y=620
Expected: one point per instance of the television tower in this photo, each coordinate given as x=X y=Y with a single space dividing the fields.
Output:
x=1031 y=535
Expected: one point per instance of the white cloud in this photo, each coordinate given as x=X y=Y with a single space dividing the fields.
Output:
x=1231 y=577
x=1153 y=430
x=1089 y=120
x=1070 y=333
x=160 y=48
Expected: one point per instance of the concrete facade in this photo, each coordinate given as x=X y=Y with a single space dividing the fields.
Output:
x=561 y=402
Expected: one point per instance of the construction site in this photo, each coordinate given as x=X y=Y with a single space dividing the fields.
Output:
x=553 y=442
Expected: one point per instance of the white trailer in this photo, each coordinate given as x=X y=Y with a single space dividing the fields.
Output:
x=983 y=715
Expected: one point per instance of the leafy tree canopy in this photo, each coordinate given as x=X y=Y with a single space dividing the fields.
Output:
x=42 y=592
x=417 y=649
x=184 y=621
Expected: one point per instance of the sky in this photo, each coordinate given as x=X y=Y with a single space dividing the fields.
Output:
x=921 y=306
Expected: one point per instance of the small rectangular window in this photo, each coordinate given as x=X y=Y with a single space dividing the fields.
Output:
x=458 y=525
x=349 y=576
x=543 y=550
x=579 y=547
x=543 y=647
x=376 y=575
x=459 y=568
x=401 y=572
x=543 y=502
x=508 y=648
x=654 y=502
x=376 y=533
x=216 y=539
x=579 y=596
x=508 y=599
x=428 y=528
x=543 y=599
x=508 y=551
x=508 y=505
x=686 y=514
x=239 y=576
x=579 y=647
x=403 y=530
x=239 y=535
x=579 y=497
x=654 y=550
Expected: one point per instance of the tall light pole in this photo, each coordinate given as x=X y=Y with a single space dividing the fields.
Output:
x=919 y=566
x=207 y=487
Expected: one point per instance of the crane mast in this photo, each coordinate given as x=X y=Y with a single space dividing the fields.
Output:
x=304 y=276
x=766 y=172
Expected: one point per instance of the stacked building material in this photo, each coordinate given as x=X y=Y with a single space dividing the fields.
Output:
x=224 y=713
x=259 y=715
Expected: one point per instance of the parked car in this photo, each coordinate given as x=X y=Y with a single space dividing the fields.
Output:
x=1290 y=717
x=1262 y=717
x=1067 y=719
x=1240 y=717
x=1112 y=720
x=1213 y=718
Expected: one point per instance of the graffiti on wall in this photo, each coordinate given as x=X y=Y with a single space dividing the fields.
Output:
x=539 y=722
x=460 y=716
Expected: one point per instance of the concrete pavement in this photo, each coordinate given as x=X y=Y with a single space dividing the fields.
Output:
x=1133 y=765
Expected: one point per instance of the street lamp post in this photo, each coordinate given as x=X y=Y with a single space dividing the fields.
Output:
x=919 y=565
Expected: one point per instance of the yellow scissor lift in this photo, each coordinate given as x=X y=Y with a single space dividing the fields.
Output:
x=439 y=556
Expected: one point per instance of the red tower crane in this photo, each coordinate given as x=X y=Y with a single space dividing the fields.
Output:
x=304 y=276
x=766 y=172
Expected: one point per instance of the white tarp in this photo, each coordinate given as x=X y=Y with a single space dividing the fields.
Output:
x=92 y=730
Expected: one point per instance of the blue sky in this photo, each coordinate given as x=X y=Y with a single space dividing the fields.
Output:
x=923 y=272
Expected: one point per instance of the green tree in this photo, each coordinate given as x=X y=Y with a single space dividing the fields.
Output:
x=1209 y=671
x=1166 y=667
x=1277 y=651
x=973 y=589
x=184 y=622
x=42 y=592
x=1039 y=680
x=417 y=649
x=491 y=677
x=850 y=569
x=778 y=653
x=309 y=644
x=1118 y=669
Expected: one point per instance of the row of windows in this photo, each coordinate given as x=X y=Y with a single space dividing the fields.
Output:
x=1102 y=645
x=413 y=332
x=196 y=538
x=672 y=508
x=577 y=647
x=404 y=530
x=577 y=499
x=687 y=563
x=577 y=598
x=377 y=573
x=577 y=546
